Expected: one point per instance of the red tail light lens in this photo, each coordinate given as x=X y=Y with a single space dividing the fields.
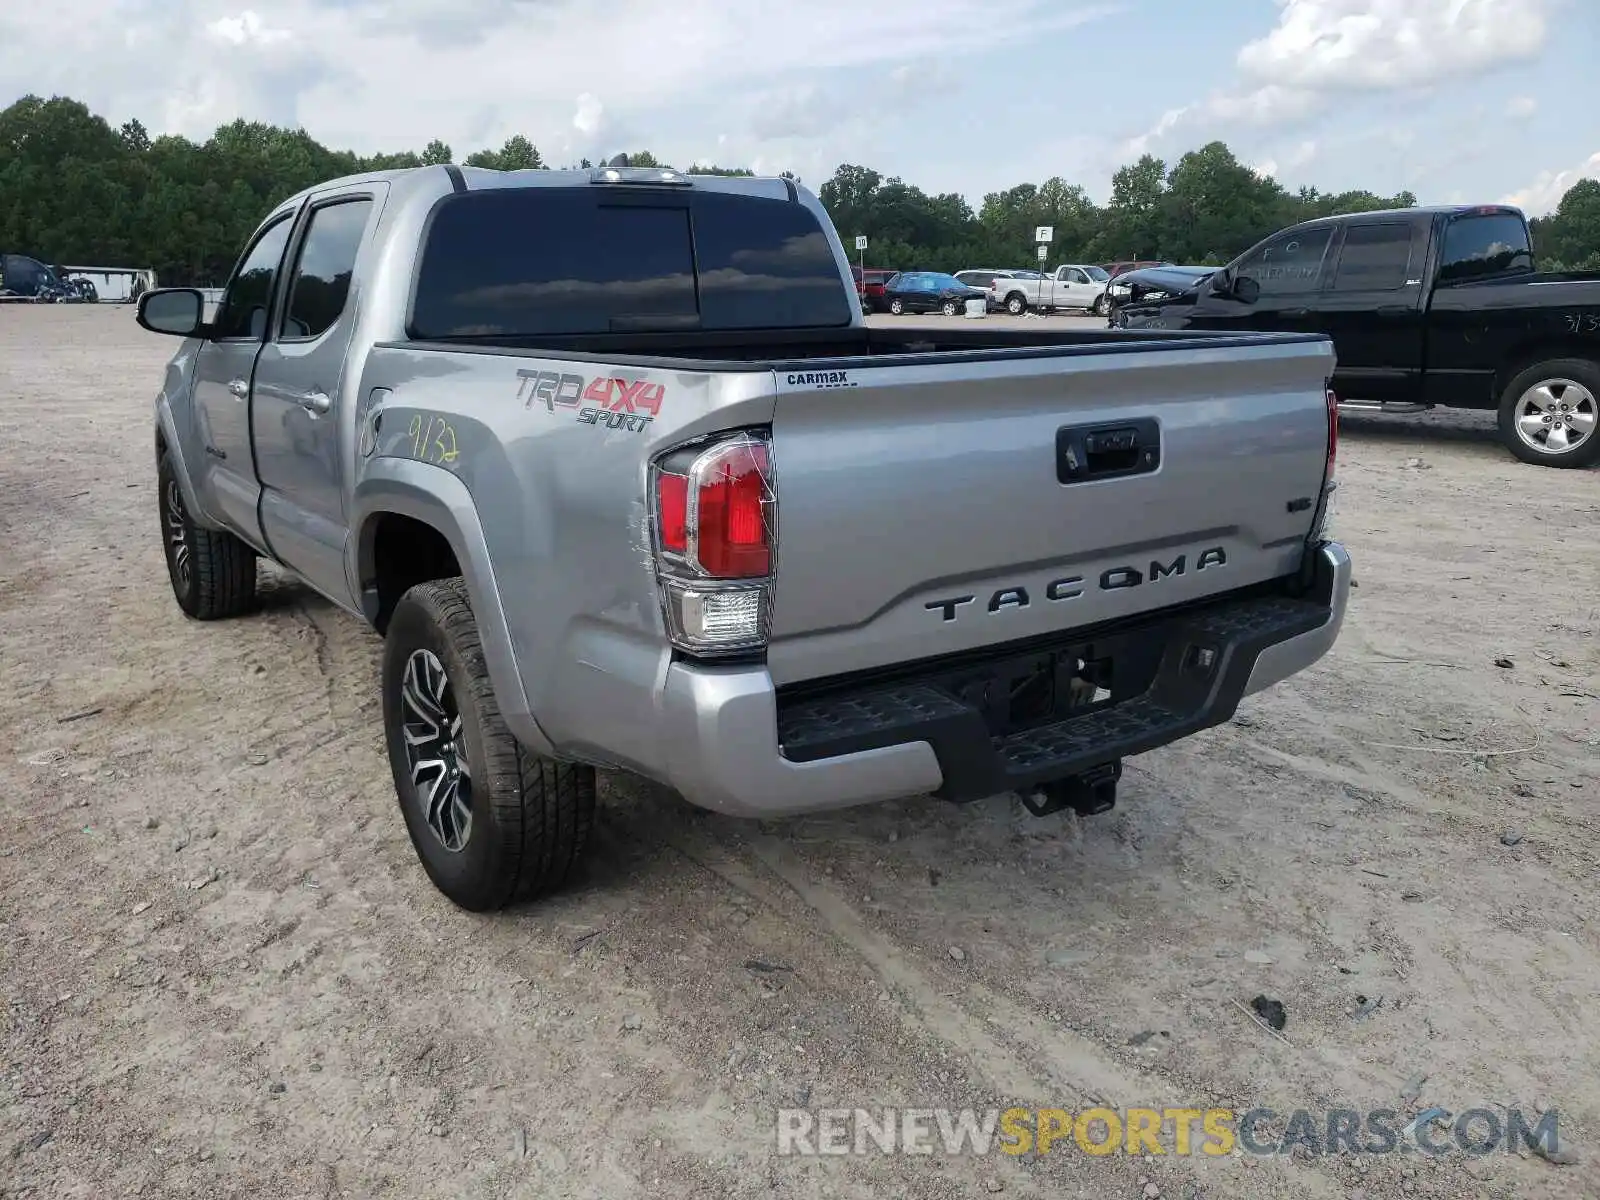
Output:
x=672 y=511
x=730 y=528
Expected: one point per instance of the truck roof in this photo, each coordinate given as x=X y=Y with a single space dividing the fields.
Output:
x=1426 y=210
x=403 y=179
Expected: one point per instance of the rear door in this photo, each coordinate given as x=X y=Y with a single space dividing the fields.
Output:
x=301 y=400
x=224 y=374
x=1372 y=308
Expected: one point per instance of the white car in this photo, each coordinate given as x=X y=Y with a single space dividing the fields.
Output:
x=1074 y=285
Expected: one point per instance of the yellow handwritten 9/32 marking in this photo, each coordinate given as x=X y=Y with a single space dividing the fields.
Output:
x=432 y=440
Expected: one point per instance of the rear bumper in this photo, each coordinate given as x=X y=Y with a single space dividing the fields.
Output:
x=733 y=744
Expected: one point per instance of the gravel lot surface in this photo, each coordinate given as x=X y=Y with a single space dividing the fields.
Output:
x=225 y=974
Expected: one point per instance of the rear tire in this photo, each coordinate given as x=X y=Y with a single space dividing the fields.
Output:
x=1098 y=308
x=505 y=824
x=1558 y=399
x=1016 y=304
x=950 y=308
x=213 y=573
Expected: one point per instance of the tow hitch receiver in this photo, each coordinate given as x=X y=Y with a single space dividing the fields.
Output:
x=1088 y=794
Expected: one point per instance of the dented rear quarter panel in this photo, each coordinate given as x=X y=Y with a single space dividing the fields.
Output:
x=562 y=499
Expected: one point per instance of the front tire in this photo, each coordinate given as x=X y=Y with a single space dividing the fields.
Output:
x=213 y=572
x=1550 y=414
x=897 y=307
x=492 y=822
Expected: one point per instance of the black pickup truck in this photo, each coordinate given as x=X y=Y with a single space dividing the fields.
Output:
x=1425 y=306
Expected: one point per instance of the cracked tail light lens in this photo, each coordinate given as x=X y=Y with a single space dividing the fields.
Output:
x=715 y=521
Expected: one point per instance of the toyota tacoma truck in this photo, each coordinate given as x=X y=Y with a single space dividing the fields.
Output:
x=613 y=464
x=1425 y=306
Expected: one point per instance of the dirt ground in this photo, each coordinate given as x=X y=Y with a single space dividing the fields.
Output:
x=225 y=974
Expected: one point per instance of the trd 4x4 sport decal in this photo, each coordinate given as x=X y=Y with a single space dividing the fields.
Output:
x=608 y=402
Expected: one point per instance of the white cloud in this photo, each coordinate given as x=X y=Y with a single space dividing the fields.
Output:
x=1522 y=107
x=385 y=74
x=1320 y=49
x=245 y=28
x=590 y=116
x=1545 y=192
x=1384 y=45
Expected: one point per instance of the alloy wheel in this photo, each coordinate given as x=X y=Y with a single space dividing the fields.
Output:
x=1556 y=416
x=177 y=523
x=436 y=754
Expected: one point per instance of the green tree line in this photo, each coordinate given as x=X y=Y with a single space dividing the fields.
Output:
x=73 y=189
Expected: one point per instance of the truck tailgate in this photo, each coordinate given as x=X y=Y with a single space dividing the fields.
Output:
x=922 y=508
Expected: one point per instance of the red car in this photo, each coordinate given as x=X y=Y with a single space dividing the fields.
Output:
x=869 y=287
x=1114 y=269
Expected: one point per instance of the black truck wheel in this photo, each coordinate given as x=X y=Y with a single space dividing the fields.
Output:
x=1550 y=413
x=491 y=822
x=213 y=573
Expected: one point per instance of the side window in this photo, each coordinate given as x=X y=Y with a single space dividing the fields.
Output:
x=1076 y=276
x=1289 y=263
x=249 y=297
x=1477 y=246
x=1375 y=258
x=321 y=281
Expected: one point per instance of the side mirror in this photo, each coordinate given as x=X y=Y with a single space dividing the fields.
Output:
x=179 y=312
x=1246 y=290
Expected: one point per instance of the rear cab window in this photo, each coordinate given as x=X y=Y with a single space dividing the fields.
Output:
x=525 y=262
x=1478 y=245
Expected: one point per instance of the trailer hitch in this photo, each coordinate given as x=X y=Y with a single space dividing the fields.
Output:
x=1089 y=794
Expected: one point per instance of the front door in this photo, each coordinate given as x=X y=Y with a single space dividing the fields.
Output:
x=303 y=393
x=1076 y=290
x=223 y=374
x=1288 y=273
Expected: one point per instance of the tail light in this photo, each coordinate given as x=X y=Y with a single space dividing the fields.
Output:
x=715 y=532
x=1329 y=484
x=1333 y=434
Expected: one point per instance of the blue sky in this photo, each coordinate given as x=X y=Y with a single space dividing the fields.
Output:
x=1454 y=100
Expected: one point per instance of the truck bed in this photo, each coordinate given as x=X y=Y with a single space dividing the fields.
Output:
x=841 y=349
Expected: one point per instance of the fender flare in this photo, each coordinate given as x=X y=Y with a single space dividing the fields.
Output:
x=438 y=498
x=167 y=429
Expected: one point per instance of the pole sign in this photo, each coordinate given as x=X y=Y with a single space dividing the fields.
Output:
x=1044 y=253
x=1044 y=233
x=861 y=241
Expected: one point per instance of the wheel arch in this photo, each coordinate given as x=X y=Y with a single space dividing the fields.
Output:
x=1535 y=351
x=405 y=517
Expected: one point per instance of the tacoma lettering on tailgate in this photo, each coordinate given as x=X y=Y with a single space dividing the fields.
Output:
x=1069 y=587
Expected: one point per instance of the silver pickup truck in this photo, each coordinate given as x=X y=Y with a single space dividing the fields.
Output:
x=613 y=464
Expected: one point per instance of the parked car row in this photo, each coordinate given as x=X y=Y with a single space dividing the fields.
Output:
x=1016 y=290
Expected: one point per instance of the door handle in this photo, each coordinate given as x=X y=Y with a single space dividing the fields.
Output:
x=316 y=401
x=238 y=389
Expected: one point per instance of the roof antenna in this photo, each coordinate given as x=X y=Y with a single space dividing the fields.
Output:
x=620 y=160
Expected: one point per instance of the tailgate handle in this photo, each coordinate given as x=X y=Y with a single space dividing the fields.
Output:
x=1089 y=452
